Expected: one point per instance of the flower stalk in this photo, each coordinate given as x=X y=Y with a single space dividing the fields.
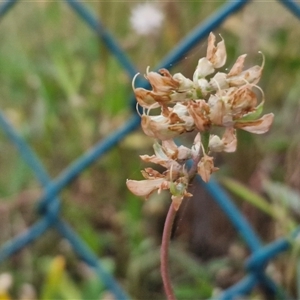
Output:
x=164 y=253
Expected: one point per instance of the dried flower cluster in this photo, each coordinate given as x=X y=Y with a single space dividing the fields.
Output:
x=211 y=99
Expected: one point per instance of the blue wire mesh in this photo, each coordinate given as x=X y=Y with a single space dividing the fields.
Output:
x=49 y=204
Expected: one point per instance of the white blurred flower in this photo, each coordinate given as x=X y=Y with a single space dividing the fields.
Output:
x=146 y=18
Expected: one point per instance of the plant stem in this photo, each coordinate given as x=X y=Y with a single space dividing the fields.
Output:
x=164 y=253
x=164 y=250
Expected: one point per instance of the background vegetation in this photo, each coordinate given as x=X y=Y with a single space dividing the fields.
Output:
x=64 y=92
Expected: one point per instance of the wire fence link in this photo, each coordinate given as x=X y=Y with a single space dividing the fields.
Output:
x=49 y=204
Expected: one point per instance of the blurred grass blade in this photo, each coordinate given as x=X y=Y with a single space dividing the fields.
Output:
x=69 y=289
x=54 y=277
x=284 y=195
x=251 y=197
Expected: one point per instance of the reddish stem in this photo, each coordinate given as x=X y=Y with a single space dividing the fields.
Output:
x=164 y=250
x=164 y=253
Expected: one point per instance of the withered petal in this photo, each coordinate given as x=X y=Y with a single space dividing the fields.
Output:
x=170 y=149
x=184 y=153
x=259 y=126
x=244 y=100
x=211 y=49
x=251 y=75
x=229 y=139
x=204 y=68
x=215 y=144
x=158 y=129
x=156 y=160
x=217 y=112
x=145 y=98
x=216 y=54
x=163 y=82
x=144 y=188
x=220 y=56
x=151 y=174
x=198 y=110
x=238 y=66
x=206 y=167
x=166 y=163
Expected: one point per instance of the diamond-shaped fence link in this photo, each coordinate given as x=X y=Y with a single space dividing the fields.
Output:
x=49 y=204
